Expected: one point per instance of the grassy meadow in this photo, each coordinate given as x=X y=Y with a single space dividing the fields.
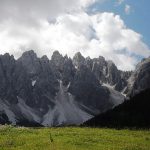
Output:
x=72 y=138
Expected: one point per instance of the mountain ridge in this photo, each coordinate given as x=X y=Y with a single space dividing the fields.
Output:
x=30 y=88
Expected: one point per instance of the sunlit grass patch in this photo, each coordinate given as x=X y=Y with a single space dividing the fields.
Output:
x=72 y=138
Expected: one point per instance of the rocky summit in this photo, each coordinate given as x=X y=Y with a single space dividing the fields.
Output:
x=63 y=91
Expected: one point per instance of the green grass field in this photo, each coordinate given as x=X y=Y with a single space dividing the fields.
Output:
x=72 y=138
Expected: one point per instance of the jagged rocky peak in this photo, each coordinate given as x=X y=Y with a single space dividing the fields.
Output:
x=56 y=55
x=140 y=78
x=29 y=55
x=99 y=64
x=57 y=59
x=142 y=64
x=7 y=65
x=30 y=61
x=45 y=59
x=88 y=58
x=66 y=57
x=89 y=62
x=78 y=60
x=7 y=60
x=7 y=57
x=101 y=59
x=67 y=62
x=111 y=64
x=112 y=68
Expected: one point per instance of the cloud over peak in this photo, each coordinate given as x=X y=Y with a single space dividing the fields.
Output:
x=64 y=25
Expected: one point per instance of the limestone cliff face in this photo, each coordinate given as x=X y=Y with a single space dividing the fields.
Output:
x=39 y=91
x=140 y=78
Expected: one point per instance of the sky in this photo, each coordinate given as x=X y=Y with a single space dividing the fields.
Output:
x=115 y=29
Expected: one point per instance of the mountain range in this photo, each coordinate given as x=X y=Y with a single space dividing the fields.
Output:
x=64 y=91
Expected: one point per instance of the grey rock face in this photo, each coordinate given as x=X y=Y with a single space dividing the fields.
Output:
x=50 y=92
x=140 y=78
x=107 y=73
x=7 y=75
x=78 y=60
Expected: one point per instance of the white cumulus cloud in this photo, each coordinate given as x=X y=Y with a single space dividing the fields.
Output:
x=69 y=31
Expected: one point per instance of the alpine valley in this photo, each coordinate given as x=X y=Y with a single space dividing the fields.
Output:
x=63 y=91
